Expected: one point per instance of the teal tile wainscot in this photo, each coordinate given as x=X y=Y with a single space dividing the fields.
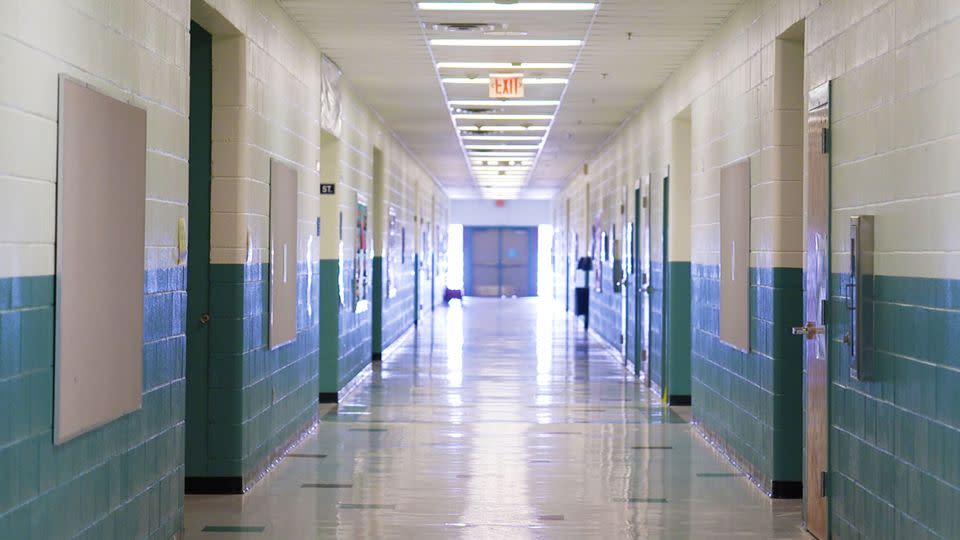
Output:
x=122 y=480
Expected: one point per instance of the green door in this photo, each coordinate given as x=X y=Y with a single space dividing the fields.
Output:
x=198 y=266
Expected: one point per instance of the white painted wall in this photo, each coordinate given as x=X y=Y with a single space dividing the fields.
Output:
x=134 y=50
x=266 y=101
x=895 y=120
x=517 y=213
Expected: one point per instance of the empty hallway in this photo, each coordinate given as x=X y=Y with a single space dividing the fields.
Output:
x=500 y=419
x=483 y=268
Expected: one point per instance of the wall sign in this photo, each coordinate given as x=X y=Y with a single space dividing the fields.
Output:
x=506 y=85
x=328 y=189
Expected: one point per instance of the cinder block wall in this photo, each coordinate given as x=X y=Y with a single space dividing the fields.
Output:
x=266 y=106
x=130 y=472
x=893 y=441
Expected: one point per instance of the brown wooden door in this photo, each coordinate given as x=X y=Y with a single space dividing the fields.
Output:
x=816 y=283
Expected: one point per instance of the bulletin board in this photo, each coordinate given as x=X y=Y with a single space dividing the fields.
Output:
x=735 y=255
x=394 y=255
x=101 y=200
x=283 y=254
x=361 y=266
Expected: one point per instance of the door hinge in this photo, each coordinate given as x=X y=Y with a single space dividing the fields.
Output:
x=824 y=483
x=824 y=312
x=826 y=141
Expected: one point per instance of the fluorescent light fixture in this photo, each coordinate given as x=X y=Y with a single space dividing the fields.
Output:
x=504 y=65
x=502 y=155
x=504 y=168
x=498 y=6
x=445 y=42
x=502 y=128
x=519 y=181
x=504 y=102
x=486 y=80
x=494 y=162
x=502 y=147
x=482 y=116
x=501 y=138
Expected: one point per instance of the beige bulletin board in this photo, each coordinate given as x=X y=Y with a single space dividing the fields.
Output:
x=735 y=254
x=283 y=254
x=101 y=197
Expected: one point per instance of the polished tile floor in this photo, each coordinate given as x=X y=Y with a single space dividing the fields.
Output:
x=499 y=419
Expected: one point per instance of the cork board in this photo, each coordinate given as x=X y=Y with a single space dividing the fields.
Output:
x=283 y=254
x=101 y=199
x=735 y=255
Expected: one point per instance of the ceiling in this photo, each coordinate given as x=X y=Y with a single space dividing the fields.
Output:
x=387 y=51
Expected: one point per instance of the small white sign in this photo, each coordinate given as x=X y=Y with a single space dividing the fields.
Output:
x=506 y=85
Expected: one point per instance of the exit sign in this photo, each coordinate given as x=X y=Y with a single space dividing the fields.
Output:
x=506 y=85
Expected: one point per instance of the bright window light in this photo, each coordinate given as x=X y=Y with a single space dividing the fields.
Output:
x=501 y=138
x=480 y=116
x=504 y=65
x=455 y=257
x=502 y=128
x=504 y=102
x=544 y=260
x=502 y=147
x=445 y=42
x=496 y=6
x=486 y=80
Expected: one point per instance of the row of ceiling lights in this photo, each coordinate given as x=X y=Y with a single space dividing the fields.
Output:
x=501 y=168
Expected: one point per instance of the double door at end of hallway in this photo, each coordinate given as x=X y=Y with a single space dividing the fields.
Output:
x=500 y=261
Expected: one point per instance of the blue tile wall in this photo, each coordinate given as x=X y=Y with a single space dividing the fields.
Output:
x=355 y=334
x=751 y=403
x=895 y=438
x=605 y=308
x=656 y=323
x=259 y=399
x=123 y=480
x=398 y=311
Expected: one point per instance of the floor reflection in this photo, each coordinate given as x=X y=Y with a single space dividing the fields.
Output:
x=500 y=419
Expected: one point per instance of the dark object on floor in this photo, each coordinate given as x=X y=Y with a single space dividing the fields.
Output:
x=450 y=294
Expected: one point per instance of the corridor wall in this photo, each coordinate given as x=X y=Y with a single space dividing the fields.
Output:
x=278 y=92
x=893 y=155
x=130 y=473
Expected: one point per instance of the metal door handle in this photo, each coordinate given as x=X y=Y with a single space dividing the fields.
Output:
x=810 y=330
x=205 y=318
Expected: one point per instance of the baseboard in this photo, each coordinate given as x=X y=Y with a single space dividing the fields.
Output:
x=787 y=489
x=353 y=384
x=266 y=464
x=777 y=489
x=681 y=400
x=213 y=485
